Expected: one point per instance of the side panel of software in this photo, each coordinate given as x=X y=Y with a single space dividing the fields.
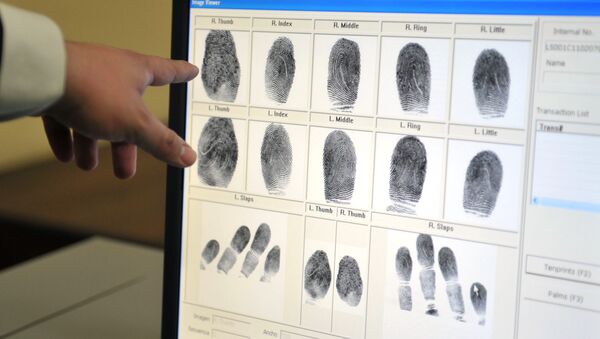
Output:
x=560 y=295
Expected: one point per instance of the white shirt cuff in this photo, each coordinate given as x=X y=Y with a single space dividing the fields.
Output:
x=32 y=74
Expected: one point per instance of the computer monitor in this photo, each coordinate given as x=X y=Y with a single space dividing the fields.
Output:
x=386 y=169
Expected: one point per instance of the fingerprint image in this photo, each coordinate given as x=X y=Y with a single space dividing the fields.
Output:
x=349 y=284
x=272 y=264
x=241 y=238
x=217 y=152
x=479 y=300
x=426 y=258
x=449 y=269
x=404 y=272
x=407 y=174
x=483 y=181
x=339 y=167
x=209 y=253
x=258 y=246
x=413 y=78
x=491 y=83
x=317 y=275
x=276 y=159
x=344 y=74
x=280 y=70
x=220 y=67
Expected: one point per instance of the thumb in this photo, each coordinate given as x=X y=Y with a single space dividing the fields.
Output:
x=163 y=143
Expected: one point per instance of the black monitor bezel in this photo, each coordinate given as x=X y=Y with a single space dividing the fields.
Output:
x=174 y=197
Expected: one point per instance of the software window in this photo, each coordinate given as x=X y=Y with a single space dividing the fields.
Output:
x=377 y=175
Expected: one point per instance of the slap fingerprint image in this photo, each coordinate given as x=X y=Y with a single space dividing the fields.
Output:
x=262 y=237
x=272 y=264
x=217 y=152
x=404 y=267
x=240 y=239
x=344 y=74
x=449 y=268
x=491 y=83
x=209 y=253
x=220 y=67
x=426 y=258
x=280 y=70
x=413 y=78
x=478 y=294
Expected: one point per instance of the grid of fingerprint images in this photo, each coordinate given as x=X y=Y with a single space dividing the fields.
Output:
x=415 y=270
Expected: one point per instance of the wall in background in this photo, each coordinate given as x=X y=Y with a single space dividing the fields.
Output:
x=140 y=25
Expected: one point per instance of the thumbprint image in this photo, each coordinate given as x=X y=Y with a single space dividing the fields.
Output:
x=217 y=152
x=280 y=69
x=413 y=78
x=317 y=275
x=209 y=253
x=449 y=269
x=339 y=167
x=344 y=74
x=271 y=264
x=404 y=270
x=407 y=174
x=276 y=159
x=237 y=245
x=491 y=84
x=483 y=181
x=349 y=284
x=258 y=246
x=426 y=258
x=220 y=67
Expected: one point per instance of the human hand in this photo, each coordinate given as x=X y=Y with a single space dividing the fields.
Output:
x=103 y=101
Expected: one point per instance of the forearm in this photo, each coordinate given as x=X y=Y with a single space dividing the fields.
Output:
x=32 y=63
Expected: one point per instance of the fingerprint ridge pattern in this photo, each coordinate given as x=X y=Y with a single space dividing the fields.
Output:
x=491 y=84
x=276 y=159
x=217 y=152
x=349 y=283
x=280 y=70
x=408 y=169
x=449 y=268
x=339 y=167
x=483 y=181
x=344 y=74
x=427 y=276
x=220 y=72
x=240 y=239
x=413 y=78
x=272 y=264
x=317 y=275
x=404 y=271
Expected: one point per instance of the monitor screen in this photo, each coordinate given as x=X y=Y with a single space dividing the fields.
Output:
x=386 y=169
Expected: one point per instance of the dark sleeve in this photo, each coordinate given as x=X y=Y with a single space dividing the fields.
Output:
x=1 y=41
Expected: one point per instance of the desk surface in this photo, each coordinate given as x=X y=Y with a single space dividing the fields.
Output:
x=97 y=288
x=56 y=195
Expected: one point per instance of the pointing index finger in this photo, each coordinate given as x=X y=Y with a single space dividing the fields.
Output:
x=165 y=71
